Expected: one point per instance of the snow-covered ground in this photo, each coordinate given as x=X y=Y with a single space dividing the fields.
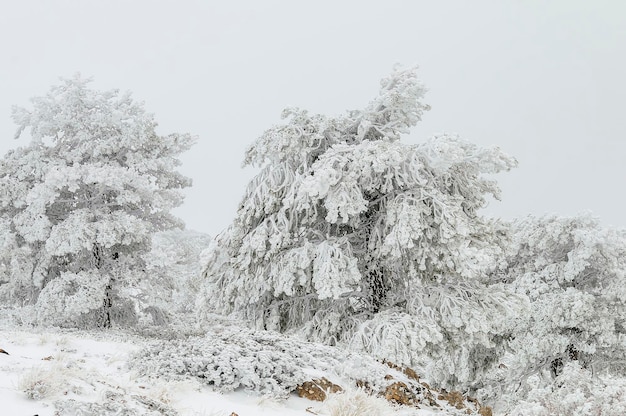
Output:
x=61 y=372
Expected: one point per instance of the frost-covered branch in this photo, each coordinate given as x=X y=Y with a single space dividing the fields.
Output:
x=346 y=227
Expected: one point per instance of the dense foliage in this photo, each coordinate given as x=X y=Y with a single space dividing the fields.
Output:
x=79 y=204
x=229 y=357
x=574 y=273
x=348 y=235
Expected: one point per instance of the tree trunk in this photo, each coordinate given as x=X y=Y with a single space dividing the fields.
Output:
x=98 y=263
x=377 y=288
x=106 y=322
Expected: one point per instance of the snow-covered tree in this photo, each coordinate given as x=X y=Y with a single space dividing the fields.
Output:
x=173 y=275
x=348 y=235
x=574 y=273
x=79 y=204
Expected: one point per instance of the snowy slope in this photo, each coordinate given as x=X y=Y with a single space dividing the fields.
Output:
x=58 y=372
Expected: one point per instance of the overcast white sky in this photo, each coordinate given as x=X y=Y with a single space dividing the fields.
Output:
x=542 y=80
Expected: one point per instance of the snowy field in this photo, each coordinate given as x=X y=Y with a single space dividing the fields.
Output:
x=59 y=372
x=51 y=370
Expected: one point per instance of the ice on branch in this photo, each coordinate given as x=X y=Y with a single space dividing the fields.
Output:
x=80 y=203
x=346 y=230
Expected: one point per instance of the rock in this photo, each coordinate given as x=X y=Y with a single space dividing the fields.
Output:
x=455 y=399
x=410 y=373
x=392 y=365
x=311 y=391
x=485 y=411
x=316 y=390
x=399 y=393
x=327 y=385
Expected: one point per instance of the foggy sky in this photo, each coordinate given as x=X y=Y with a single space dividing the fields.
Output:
x=544 y=81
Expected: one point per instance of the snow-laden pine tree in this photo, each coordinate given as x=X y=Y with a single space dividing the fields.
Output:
x=347 y=235
x=79 y=204
x=574 y=273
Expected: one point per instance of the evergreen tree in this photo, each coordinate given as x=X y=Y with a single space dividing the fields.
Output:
x=574 y=273
x=79 y=204
x=348 y=235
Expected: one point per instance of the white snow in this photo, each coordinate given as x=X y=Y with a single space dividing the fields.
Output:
x=48 y=367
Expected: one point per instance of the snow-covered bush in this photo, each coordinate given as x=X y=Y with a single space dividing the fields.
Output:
x=574 y=273
x=41 y=382
x=79 y=204
x=574 y=392
x=346 y=229
x=230 y=357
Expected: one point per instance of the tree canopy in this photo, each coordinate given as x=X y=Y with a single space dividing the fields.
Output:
x=347 y=235
x=574 y=273
x=78 y=204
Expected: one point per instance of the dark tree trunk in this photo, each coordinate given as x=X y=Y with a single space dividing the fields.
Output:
x=377 y=288
x=98 y=263
x=106 y=323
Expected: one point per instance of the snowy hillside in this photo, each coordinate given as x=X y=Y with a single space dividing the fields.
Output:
x=87 y=373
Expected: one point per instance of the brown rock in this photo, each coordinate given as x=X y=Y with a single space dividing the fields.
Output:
x=485 y=411
x=327 y=385
x=388 y=377
x=316 y=390
x=311 y=391
x=410 y=373
x=392 y=365
x=455 y=399
x=399 y=393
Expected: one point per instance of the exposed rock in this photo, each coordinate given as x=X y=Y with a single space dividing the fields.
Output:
x=311 y=391
x=413 y=392
x=455 y=399
x=316 y=390
x=392 y=365
x=485 y=411
x=400 y=393
x=327 y=385
x=410 y=373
